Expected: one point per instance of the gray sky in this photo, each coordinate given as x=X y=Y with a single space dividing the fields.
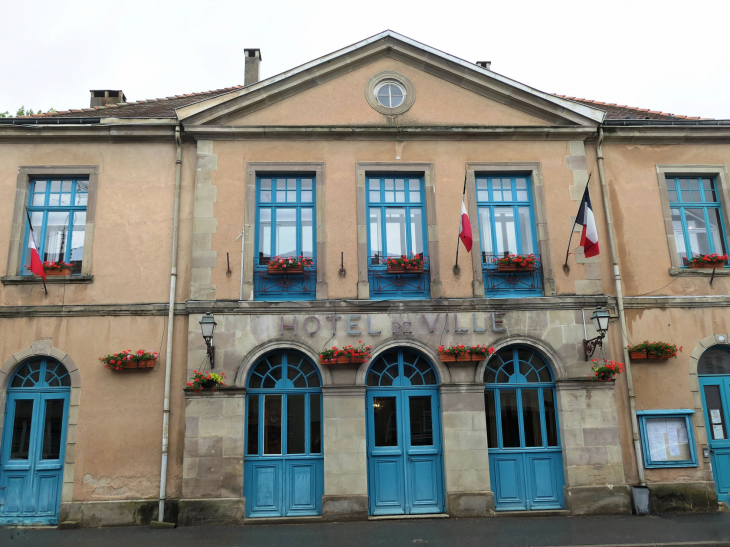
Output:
x=665 y=55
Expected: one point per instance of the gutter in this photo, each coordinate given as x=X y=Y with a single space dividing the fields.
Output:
x=170 y=328
x=49 y=121
x=621 y=314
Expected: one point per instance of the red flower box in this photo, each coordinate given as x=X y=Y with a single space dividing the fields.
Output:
x=706 y=265
x=403 y=269
x=293 y=270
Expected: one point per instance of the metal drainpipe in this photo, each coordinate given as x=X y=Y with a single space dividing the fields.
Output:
x=621 y=315
x=170 y=329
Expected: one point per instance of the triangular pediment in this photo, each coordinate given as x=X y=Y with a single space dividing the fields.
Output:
x=332 y=91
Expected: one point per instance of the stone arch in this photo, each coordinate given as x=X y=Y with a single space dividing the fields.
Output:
x=259 y=351
x=428 y=352
x=694 y=381
x=43 y=348
x=552 y=358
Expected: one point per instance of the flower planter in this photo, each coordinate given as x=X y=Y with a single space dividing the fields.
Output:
x=403 y=269
x=450 y=358
x=636 y=355
x=342 y=360
x=64 y=272
x=514 y=268
x=149 y=364
x=706 y=265
x=294 y=270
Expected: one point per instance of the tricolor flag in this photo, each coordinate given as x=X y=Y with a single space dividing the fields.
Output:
x=589 y=237
x=465 y=228
x=36 y=266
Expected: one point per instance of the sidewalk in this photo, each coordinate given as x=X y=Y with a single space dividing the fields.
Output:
x=685 y=530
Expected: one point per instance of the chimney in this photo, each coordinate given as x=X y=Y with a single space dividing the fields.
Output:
x=103 y=97
x=485 y=64
x=253 y=59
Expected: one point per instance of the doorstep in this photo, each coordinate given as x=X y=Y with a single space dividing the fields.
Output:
x=541 y=513
x=402 y=517
x=282 y=520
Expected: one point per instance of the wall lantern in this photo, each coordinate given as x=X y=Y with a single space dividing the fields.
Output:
x=207 y=326
x=600 y=319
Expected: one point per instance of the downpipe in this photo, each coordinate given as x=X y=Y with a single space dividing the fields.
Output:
x=621 y=314
x=170 y=329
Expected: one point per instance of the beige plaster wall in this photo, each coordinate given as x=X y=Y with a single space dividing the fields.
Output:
x=637 y=214
x=119 y=432
x=342 y=102
x=133 y=231
x=449 y=159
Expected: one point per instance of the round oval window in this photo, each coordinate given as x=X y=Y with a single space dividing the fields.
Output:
x=390 y=94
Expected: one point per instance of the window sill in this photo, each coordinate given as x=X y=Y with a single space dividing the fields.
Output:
x=702 y=272
x=54 y=280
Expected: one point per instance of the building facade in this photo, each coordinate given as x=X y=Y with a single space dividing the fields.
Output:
x=171 y=209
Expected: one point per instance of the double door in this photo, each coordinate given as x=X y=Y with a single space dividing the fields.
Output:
x=405 y=461
x=33 y=447
x=716 y=396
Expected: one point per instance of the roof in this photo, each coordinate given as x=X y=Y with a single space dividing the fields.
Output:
x=622 y=112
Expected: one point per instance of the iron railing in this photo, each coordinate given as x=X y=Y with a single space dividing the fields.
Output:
x=385 y=283
x=510 y=283
x=295 y=286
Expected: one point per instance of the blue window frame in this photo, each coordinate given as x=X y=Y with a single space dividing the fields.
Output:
x=667 y=438
x=396 y=227
x=696 y=217
x=285 y=227
x=507 y=227
x=57 y=208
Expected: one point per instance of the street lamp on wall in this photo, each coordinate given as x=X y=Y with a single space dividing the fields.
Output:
x=600 y=319
x=207 y=326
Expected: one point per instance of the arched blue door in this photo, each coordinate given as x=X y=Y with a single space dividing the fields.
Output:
x=405 y=462
x=34 y=443
x=713 y=370
x=525 y=460
x=284 y=462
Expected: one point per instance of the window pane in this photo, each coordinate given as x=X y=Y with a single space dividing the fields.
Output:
x=416 y=231
x=281 y=190
x=77 y=241
x=291 y=190
x=20 y=445
x=507 y=189
x=295 y=426
x=679 y=235
x=386 y=421
x=510 y=420
x=496 y=190
x=697 y=230
x=482 y=191
x=389 y=191
x=491 y=419
x=55 y=186
x=718 y=425
x=395 y=232
x=52 y=430
x=307 y=233
x=504 y=228
x=672 y=190
x=307 y=194
x=419 y=409
x=694 y=190
x=551 y=425
x=54 y=199
x=531 y=417
x=66 y=186
x=40 y=187
x=414 y=186
x=315 y=424
x=376 y=234
x=286 y=232
x=264 y=236
x=65 y=200
x=252 y=444
x=485 y=233
x=525 y=230
x=265 y=195
x=718 y=241
x=684 y=190
x=56 y=236
x=272 y=424
x=400 y=195
x=521 y=190
x=708 y=186
x=39 y=199
x=714 y=361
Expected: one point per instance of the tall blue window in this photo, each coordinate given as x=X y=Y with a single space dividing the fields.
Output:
x=285 y=227
x=396 y=228
x=696 y=217
x=57 y=209
x=507 y=227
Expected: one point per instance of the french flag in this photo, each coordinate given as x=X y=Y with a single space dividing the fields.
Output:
x=465 y=228
x=589 y=237
x=36 y=266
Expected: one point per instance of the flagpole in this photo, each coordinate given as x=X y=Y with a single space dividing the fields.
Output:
x=458 y=239
x=32 y=234
x=566 y=268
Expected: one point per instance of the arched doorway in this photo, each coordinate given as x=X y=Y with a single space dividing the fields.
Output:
x=34 y=443
x=525 y=459
x=405 y=457
x=284 y=461
x=713 y=370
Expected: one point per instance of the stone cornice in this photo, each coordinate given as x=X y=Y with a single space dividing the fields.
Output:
x=354 y=132
x=152 y=132
x=666 y=134
x=648 y=302
x=69 y=310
